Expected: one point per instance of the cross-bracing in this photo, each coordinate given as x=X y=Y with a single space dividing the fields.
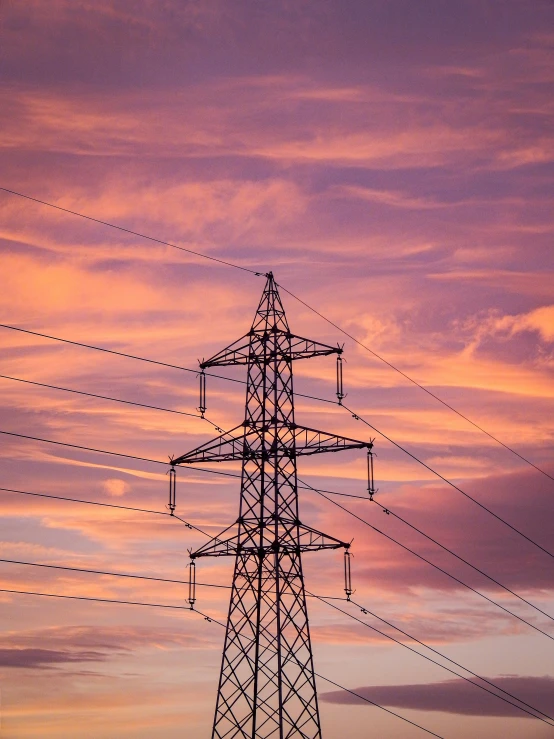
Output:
x=267 y=685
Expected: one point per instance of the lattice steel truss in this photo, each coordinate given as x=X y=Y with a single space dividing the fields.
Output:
x=267 y=686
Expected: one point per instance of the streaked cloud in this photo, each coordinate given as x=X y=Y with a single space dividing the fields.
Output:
x=456 y=696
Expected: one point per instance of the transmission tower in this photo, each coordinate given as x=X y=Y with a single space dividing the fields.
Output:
x=267 y=685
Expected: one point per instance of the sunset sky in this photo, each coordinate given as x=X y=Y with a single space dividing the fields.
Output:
x=392 y=162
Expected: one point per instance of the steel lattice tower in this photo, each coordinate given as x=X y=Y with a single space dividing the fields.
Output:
x=267 y=685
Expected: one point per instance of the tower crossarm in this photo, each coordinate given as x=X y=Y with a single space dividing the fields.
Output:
x=230 y=445
x=247 y=541
x=243 y=443
x=249 y=348
x=312 y=441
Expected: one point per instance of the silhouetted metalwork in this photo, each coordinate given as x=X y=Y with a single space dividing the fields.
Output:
x=192 y=584
x=267 y=686
x=340 y=390
x=172 y=489
x=202 y=403
x=370 y=480
x=347 y=575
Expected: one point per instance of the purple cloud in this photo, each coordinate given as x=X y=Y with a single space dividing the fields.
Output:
x=45 y=658
x=456 y=696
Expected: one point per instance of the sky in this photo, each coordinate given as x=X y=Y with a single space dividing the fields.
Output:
x=392 y=163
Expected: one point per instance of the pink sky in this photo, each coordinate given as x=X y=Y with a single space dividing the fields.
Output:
x=392 y=163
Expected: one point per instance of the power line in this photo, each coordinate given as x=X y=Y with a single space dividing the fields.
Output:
x=113 y=454
x=110 y=574
x=444 y=667
x=417 y=384
x=140 y=359
x=209 y=619
x=354 y=415
x=324 y=599
x=105 y=505
x=306 y=486
x=118 y=354
x=129 y=231
x=142 y=459
x=357 y=417
x=424 y=559
x=473 y=567
x=105 y=600
x=105 y=397
x=310 y=487
x=423 y=644
x=259 y=274
x=87 y=502
x=390 y=512
x=373 y=703
x=86 y=571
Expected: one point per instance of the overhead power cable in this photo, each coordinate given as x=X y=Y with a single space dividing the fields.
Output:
x=444 y=667
x=118 y=354
x=105 y=505
x=133 y=233
x=357 y=417
x=373 y=703
x=131 y=456
x=324 y=599
x=417 y=384
x=390 y=512
x=354 y=415
x=323 y=317
x=67 y=568
x=432 y=564
x=85 y=571
x=108 y=397
x=140 y=359
x=209 y=619
x=113 y=454
x=106 y=600
x=319 y=492
x=204 y=533
x=305 y=486
x=86 y=502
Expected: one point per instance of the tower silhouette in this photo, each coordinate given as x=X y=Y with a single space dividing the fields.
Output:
x=267 y=686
